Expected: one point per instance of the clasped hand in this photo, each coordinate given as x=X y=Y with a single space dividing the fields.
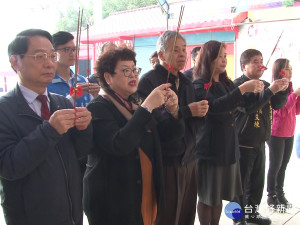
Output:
x=162 y=95
x=279 y=85
x=63 y=120
x=88 y=88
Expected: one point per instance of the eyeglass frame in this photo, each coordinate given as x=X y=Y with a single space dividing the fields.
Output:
x=67 y=50
x=43 y=59
x=138 y=70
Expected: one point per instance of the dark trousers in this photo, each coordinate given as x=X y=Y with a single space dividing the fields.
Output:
x=280 y=150
x=252 y=166
x=181 y=195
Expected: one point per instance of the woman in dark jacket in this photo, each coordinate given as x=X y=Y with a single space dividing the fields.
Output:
x=123 y=182
x=217 y=151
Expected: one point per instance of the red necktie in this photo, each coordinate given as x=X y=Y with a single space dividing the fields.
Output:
x=45 y=113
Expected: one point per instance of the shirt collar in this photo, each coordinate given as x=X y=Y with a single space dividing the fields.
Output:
x=58 y=77
x=30 y=95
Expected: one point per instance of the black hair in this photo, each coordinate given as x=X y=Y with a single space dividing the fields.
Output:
x=247 y=55
x=209 y=53
x=19 y=45
x=153 y=54
x=61 y=38
x=195 y=51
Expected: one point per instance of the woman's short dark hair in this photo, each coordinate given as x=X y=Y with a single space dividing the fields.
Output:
x=279 y=65
x=209 y=52
x=61 y=38
x=108 y=61
x=247 y=55
x=19 y=45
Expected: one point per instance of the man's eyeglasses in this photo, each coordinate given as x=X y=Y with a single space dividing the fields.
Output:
x=128 y=72
x=67 y=49
x=42 y=56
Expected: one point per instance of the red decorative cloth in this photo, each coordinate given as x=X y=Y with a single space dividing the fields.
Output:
x=77 y=90
x=282 y=73
x=207 y=85
x=170 y=67
x=262 y=67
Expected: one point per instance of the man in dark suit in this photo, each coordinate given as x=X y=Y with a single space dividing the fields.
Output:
x=42 y=138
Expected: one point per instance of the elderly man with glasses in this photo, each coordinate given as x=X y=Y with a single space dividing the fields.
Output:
x=42 y=138
x=64 y=79
x=178 y=155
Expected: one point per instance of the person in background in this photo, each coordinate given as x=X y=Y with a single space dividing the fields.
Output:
x=217 y=151
x=64 y=79
x=282 y=137
x=107 y=46
x=194 y=56
x=154 y=59
x=123 y=183
x=178 y=155
x=254 y=126
x=42 y=138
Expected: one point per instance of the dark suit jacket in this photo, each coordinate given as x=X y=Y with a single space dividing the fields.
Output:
x=40 y=174
x=218 y=139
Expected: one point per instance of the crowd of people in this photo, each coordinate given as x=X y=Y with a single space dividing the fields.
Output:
x=141 y=150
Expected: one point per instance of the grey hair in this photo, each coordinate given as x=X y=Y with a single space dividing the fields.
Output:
x=165 y=38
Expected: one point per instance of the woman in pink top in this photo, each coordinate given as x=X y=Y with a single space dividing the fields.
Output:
x=282 y=137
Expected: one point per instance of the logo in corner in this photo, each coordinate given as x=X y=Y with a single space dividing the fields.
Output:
x=233 y=210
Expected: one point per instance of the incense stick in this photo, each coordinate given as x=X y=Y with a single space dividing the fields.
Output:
x=274 y=48
x=78 y=34
x=88 y=51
